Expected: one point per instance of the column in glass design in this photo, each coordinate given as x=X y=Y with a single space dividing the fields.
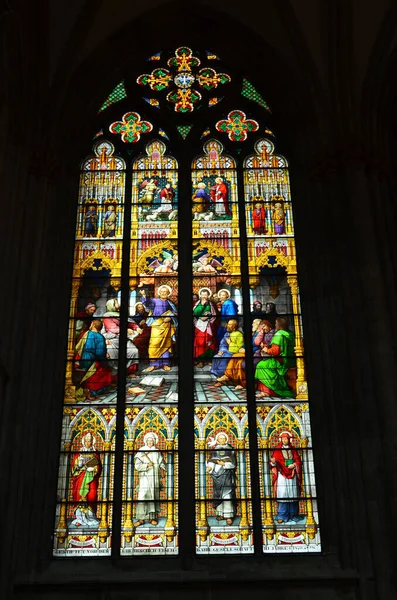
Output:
x=223 y=494
x=85 y=485
x=150 y=482
x=288 y=491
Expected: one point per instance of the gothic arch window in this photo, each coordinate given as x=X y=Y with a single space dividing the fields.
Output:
x=186 y=410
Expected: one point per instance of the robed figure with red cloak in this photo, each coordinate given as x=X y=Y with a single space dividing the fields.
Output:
x=204 y=320
x=259 y=219
x=286 y=473
x=86 y=469
x=220 y=197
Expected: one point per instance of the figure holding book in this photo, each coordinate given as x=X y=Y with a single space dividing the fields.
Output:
x=86 y=470
x=163 y=323
x=221 y=467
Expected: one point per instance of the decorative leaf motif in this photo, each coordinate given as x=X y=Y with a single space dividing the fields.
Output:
x=184 y=97
x=208 y=78
x=158 y=79
x=184 y=59
x=184 y=100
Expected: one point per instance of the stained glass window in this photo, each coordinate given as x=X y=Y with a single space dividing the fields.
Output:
x=250 y=92
x=184 y=130
x=163 y=133
x=85 y=485
x=223 y=492
x=183 y=79
x=152 y=102
x=215 y=100
x=288 y=492
x=116 y=95
x=150 y=488
x=162 y=202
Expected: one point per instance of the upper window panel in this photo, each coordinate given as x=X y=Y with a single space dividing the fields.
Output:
x=184 y=78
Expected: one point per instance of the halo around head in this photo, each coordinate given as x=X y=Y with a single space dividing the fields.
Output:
x=283 y=433
x=204 y=289
x=224 y=434
x=223 y=290
x=150 y=435
x=165 y=286
x=93 y=445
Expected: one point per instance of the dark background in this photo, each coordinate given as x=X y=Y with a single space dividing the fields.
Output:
x=328 y=70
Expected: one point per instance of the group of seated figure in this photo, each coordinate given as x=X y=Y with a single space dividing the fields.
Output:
x=219 y=342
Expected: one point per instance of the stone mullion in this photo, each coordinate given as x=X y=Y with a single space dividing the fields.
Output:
x=301 y=383
x=268 y=524
x=170 y=521
x=202 y=522
x=186 y=492
x=128 y=527
x=122 y=370
x=249 y=365
x=242 y=453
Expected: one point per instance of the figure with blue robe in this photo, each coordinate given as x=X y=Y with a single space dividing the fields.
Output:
x=201 y=201
x=229 y=309
x=92 y=373
x=231 y=343
x=91 y=222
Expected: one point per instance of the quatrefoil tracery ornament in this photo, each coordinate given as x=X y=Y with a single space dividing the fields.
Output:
x=158 y=79
x=237 y=126
x=185 y=96
x=130 y=127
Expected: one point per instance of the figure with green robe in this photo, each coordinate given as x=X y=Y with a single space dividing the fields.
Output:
x=204 y=317
x=271 y=372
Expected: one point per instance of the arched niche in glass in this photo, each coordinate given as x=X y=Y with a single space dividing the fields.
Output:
x=287 y=481
x=86 y=470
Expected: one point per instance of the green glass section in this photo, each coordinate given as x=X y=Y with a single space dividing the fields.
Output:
x=250 y=92
x=184 y=130
x=116 y=95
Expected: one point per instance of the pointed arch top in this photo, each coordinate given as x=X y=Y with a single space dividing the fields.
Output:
x=213 y=157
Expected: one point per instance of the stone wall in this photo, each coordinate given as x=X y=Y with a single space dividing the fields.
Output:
x=328 y=70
